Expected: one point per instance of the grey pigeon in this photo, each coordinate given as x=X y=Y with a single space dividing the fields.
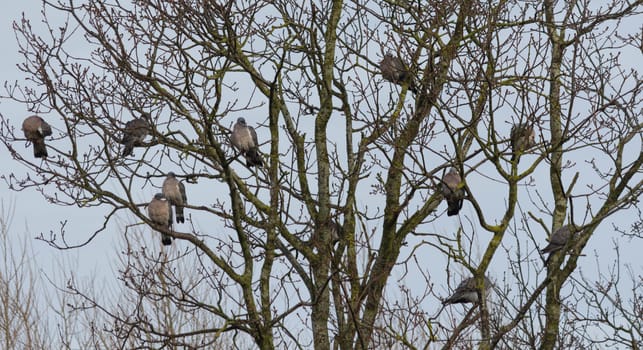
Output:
x=244 y=138
x=394 y=70
x=466 y=292
x=160 y=212
x=174 y=191
x=134 y=134
x=336 y=232
x=451 y=193
x=523 y=137
x=36 y=129
x=558 y=240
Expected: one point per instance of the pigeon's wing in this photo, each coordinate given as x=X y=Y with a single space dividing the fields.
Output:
x=558 y=239
x=253 y=157
x=140 y=129
x=550 y=248
x=467 y=291
x=174 y=191
x=253 y=134
x=134 y=134
x=184 y=195
x=45 y=128
x=464 y=293
x=168 y=210
x=135 y=131
x=561 y=236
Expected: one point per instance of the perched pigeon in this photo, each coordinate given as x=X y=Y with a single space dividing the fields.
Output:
x=160 y=212
x=466 y=292
x=133 y=135
x=394 y=70
x=451 y=193
x=336 y=232
x=36 y=129
x=558 y=240
x=523 y=137
x=244 y=138
x=174 y=191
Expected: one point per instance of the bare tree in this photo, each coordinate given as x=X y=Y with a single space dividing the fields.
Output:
x=22 y=326
x=160 y=302
x=348 y=200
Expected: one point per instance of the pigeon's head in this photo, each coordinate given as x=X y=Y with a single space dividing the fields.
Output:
x=171 y=174
x=242 y=121
x=159 y=196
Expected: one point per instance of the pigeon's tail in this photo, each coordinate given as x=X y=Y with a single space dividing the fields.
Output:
x=550 y=248
x=517 y=150
x=166 y=239
x=128 y=149
x=449 y=301
x=39 y=148
x=179 y=214
x=413 y=88
x=516 y=146
x=253 y=158
x=456 y=298
x=462 y=297
x=453 y=206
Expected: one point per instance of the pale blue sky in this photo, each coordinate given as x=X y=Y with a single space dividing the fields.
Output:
x=81 y=221
x=34 y=215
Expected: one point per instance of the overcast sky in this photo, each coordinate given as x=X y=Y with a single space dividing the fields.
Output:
x=34 y=215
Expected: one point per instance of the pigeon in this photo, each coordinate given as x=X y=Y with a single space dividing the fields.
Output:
x=466 y=292
x=558 y=240
x=523 y=137
x=244 y=138
x=133 y=135
x=336 y=232
x=160 y=212
x=394 y=70
x=451 y=193
x=36 y=129
x=174 y=191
